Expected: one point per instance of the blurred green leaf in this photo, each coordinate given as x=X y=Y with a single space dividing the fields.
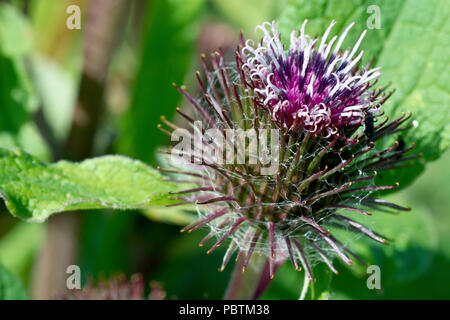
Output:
x=56 y=62
x=15 y=32
x=432 y=191
x=19 y=246
x=408 y=257
x=33 y=190
x=105 y=243
x=15 y=95
x=10 y=287
x=410 y=46
x=286 y=285
x=429 y=194
x=244 y=14
x=187 y=272
x=51 y=37
x=27 y=138
x=411 y=251
x=58 y=92
x=17 y=99
x=178 y=215
x=166 y=56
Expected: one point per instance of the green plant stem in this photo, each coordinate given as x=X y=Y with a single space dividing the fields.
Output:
x=306 y=283
x=243 y=285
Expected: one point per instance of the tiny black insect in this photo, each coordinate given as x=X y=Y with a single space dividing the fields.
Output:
x=401 y=144
x=369 y=128
x=401 y=147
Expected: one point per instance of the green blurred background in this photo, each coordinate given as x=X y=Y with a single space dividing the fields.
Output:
x=75 y=94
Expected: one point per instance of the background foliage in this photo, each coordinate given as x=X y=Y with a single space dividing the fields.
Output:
x=41 y=72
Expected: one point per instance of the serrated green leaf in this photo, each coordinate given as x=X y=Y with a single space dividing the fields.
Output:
x=411 y=47
x=33 y=190
x=10 y=287
x=321 y=12
x=414 y=59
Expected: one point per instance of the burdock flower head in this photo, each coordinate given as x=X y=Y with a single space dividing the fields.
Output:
x=282 y=145
x=320 y=90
